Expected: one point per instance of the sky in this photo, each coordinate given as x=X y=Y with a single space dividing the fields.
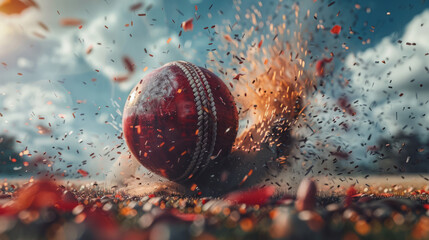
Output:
x=59 y=77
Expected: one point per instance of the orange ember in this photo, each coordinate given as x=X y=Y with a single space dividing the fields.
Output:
x=268 y=81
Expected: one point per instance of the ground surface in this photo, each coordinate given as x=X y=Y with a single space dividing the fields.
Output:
x=375 y=208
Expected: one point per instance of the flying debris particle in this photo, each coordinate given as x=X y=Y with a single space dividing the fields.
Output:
x=120 y=79
x=180 y=12
x=188 y=25
x=42 y=130
x=320 y=66
x=136 y=6
x=89 y=50
x=346 y=106
x=69 y=22
x=129 y=64
x=82 y=172
x=148 y=8
x=237 y=77
x=42 y=25
x=38 y=35
x=408 y=159
x=227 y=38
x=336 y=29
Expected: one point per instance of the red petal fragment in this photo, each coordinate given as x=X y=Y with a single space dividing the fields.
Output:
x=120 y=79
x=136 y=6
x=68 y=201
x=372 y=148
x=129 y=64
x=320 y=66
x=82 y=172
x=34 y=196
x=346 y=106
x=227 y=38
x=349 y=195
x=188 y=25
x=89 y=50
x=336 y=29
x=253 y=196
x=238 y=76
x=340 y=154
x=42 y=130
x=71 y=22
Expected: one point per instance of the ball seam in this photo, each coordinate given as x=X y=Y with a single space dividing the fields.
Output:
x=198 y=104
x=214 y=113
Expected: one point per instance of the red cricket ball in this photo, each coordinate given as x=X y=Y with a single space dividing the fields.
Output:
x=178 y=119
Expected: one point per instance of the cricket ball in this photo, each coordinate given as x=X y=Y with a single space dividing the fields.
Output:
x=179 y=120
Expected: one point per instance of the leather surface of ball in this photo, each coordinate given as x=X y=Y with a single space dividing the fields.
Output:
x=179 y=119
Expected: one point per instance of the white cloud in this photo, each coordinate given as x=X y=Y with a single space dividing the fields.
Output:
x=397 y=90
x=56 y=67
x=116 y=41
x=388 y=99
x=25 y=107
